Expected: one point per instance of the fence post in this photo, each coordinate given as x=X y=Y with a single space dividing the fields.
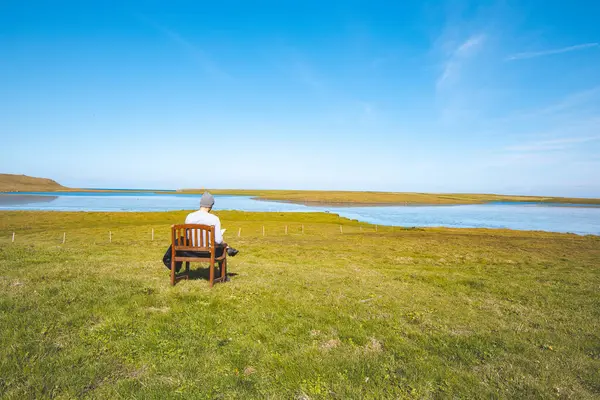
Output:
x=109 y=237
x=263 y=230
x=303 y=229
x=341 y=230
x=152 y=234
x=13 y=239
x=286 y=229
x=64 y=237
x=239 y=232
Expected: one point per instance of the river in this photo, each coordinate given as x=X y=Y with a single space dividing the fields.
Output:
x=578 y=219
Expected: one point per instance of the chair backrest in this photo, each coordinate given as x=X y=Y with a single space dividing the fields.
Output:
x=193 y=237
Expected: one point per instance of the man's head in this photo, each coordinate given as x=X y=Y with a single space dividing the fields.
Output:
x=207 y=201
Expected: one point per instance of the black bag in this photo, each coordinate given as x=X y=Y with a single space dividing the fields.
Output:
x=168 y=256
x=167 y=260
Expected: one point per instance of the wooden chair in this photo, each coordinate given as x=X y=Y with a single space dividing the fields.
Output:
x=196 y=238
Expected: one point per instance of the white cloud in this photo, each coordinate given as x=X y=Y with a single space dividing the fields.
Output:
x=457 y=57
x=307 y=75
x=208 y=65
x=525 y=159
x=554 y=144
x=570 y=108
x=534 y=54
x=573 y=100
x=472 y=43
x=368 y=108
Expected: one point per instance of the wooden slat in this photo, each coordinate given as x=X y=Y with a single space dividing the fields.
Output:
x=193 y=259
x=192 y=248
x=193 y=237
x=198 y=259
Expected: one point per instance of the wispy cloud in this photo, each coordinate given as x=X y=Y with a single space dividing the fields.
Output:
x=522 y=159
x=572 y=107
x=456 y=58
x=534 y=54
x=368 y=112
x=551 y=145
x=306 y=74
x=572 y=100
x=469 y=44
x=368 y=108
x=296 y=65
x=378 y=62
x=208 y=65
x=568 y=146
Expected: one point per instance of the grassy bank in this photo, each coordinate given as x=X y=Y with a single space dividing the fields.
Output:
x=348 y=198
x=392 y=313
x=22 y=183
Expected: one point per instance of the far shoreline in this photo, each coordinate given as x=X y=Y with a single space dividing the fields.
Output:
x=10 y=183
x=278 y=197
x=505 y=202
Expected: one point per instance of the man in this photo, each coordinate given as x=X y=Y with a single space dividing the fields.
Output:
x=204 y=217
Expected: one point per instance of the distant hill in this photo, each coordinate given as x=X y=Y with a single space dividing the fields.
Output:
x=24 y=183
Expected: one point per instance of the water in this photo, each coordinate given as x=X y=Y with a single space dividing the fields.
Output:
x=522 y=216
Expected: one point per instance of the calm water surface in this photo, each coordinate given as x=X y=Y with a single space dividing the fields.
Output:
x=522 y=216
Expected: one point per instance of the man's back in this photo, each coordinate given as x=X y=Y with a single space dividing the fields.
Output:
x=204 y=218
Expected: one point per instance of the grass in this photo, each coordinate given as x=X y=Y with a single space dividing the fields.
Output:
x=386 y=313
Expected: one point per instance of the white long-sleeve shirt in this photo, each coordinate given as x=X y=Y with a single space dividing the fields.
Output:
x=204 y=218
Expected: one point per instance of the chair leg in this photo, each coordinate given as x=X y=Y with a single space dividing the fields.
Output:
x=187 y=267
x=224 y=270
x=220 y=269
x=212 y=273
x=173 y=272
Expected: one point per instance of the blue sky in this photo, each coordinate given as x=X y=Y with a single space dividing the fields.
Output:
x=456 y=96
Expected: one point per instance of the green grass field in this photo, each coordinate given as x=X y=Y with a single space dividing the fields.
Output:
x=363 y=314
